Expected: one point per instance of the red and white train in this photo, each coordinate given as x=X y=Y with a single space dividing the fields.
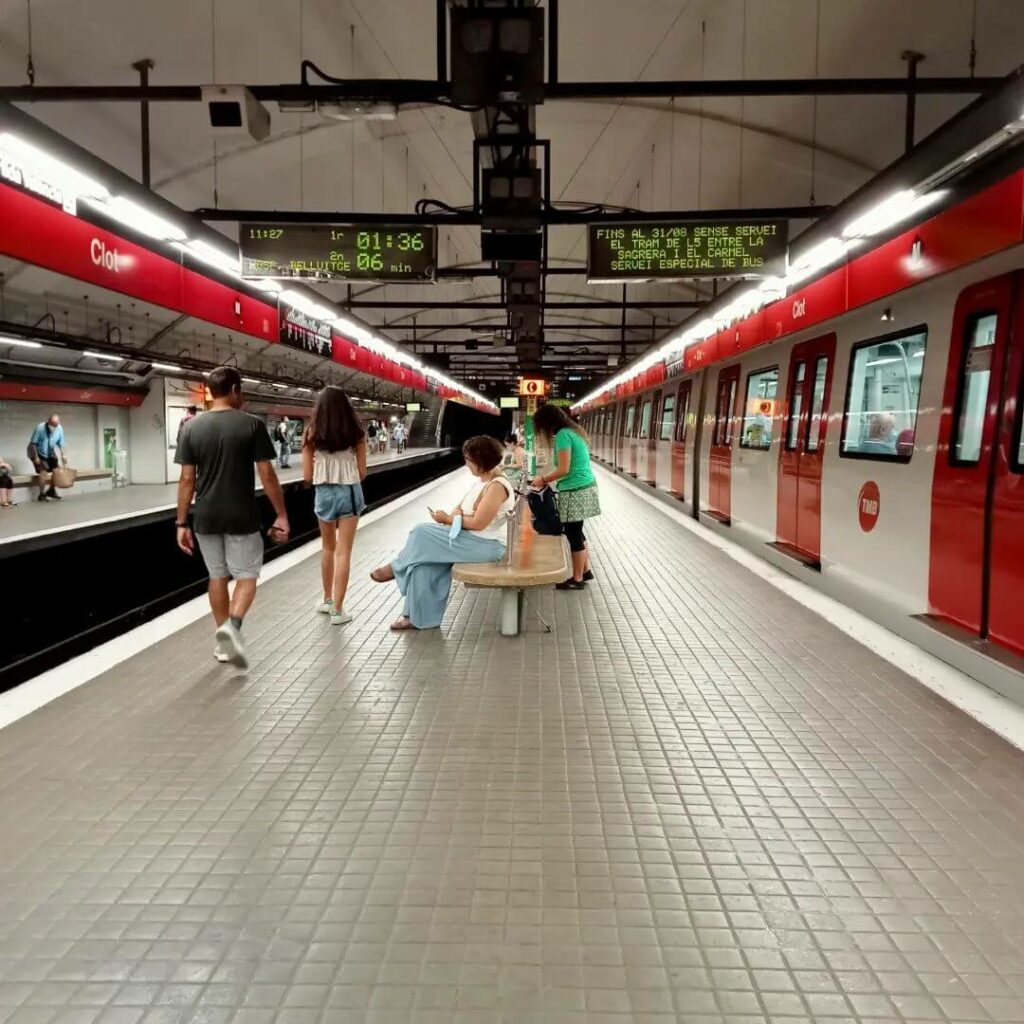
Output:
x=865 y=432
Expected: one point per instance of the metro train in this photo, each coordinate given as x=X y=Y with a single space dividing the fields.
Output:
x=878 y=454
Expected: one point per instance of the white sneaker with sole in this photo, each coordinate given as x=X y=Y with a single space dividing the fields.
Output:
x=230 y=640
x=219 y=655
x=339 y=618
x=325 y=607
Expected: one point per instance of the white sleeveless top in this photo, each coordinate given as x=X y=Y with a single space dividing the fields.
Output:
x=497 y=529
x=335 y=467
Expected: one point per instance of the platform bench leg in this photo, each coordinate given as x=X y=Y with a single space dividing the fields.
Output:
x=511 y=603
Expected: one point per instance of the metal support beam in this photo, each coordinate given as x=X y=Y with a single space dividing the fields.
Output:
x=548 y=217
x=433 y=304
x=913 y=58
x=144 y=67
x=486 y=328
x=429 y=90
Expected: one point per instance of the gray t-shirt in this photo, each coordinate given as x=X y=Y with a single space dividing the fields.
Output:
x=223 y=447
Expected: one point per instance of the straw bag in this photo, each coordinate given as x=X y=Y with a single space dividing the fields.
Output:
x=64 y=477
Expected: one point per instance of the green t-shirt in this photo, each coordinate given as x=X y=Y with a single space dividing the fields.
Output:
x=580 y=473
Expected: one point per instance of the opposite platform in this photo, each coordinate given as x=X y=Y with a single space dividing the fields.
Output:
x=694 y=801
x=32 y=518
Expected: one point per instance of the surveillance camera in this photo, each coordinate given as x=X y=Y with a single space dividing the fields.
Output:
x=233 y=110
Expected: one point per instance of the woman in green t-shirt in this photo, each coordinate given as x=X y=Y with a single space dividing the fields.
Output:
x=576 y=485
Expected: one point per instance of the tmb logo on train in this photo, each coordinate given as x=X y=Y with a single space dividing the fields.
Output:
x=868 y=506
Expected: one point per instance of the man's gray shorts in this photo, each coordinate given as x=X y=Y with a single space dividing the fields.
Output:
x=239 y=555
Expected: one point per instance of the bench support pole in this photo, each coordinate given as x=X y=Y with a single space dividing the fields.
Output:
x=511 y=605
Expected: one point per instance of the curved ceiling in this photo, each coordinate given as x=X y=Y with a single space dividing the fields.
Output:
x=649 y=154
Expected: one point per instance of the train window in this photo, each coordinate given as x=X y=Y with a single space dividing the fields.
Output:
x=628 y=421
x=682 y=413
x=882 y=397
x=817 y=404
x=668 y=409
x=645 y=420
x=759 y=408
x=796 y=407
x=723 y=411
x=972 y=401
x=1017 y=461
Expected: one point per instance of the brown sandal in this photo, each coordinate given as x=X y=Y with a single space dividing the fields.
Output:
x=402 y=624
x=382 y=574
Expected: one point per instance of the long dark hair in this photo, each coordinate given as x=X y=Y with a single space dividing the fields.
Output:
x=334 y=426
x=550 y=419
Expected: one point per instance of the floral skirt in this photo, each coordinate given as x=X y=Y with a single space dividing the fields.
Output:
x=582 y=503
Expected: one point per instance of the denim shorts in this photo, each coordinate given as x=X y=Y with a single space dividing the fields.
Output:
x=338 y=501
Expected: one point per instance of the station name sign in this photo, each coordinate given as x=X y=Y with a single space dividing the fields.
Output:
x=345 y=252
x=649 y=250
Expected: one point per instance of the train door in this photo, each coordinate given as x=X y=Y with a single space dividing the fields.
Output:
x=720 y=459
x=663 y=440
x=803 y=447
x=647 y=446
x=677 y=483
x=976 y=570
x=622 y=462
x=631 y=433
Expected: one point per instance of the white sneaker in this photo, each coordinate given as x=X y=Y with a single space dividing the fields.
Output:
x=339 y=618
x=230 y=641
x=325 y=608
x=219 y=655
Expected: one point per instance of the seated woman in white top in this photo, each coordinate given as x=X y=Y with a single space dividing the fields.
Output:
x=334 y=462
x=423 y=568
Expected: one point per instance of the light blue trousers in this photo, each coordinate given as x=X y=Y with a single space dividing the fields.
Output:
x=423 y=568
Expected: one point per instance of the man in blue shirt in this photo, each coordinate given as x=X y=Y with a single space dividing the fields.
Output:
x=46 y=450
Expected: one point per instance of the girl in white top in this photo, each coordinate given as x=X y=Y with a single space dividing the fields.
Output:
x=476 y=531
x=334 y=462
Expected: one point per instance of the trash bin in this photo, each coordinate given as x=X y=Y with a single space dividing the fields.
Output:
x=121 y=467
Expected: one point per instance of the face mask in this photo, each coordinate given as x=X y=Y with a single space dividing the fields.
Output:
x=456 y=528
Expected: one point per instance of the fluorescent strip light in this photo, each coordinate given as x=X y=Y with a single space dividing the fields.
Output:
x=882 y=362
x=823 y=254
x=166 y=366
x=307 y=391
x=52 y=169
x=250 y=380
x=104 y=356
x=140 y=219
x=211 y=256
x=274 y=384
x=307 y=305
x=889 y=212
x=18 y=342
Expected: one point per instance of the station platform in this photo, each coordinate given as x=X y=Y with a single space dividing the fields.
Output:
x=32 y=519
x=694 y=800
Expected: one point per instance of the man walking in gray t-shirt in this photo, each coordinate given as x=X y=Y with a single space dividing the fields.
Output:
x=216 y=453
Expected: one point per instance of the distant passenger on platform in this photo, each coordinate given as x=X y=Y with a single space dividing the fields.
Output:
x=514 y=461
x=190 y=414
x=371 y=435
x=881 y=439
x=334 y=462
x=475 y=531
x=6 y=485
x=46 y=450
x=576 y=485
x=216 y=453
x=283 y=435
x=398 y=435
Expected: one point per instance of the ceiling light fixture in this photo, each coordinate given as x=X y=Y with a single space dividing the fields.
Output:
x=170 y=367
x=138 y=218
x=6 y=339
x=104 y=356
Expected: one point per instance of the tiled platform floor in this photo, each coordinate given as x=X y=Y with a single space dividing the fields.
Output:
x=695 y=801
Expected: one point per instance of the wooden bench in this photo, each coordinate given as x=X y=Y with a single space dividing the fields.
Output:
x=531 y=560
x=32 y=479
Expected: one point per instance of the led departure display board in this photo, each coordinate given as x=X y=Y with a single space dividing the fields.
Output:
x=648 y=250
x=347 y=252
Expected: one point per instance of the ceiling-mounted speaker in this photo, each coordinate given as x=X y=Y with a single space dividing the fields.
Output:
x=510 y=246
x=234 y=111
x=497 y=55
